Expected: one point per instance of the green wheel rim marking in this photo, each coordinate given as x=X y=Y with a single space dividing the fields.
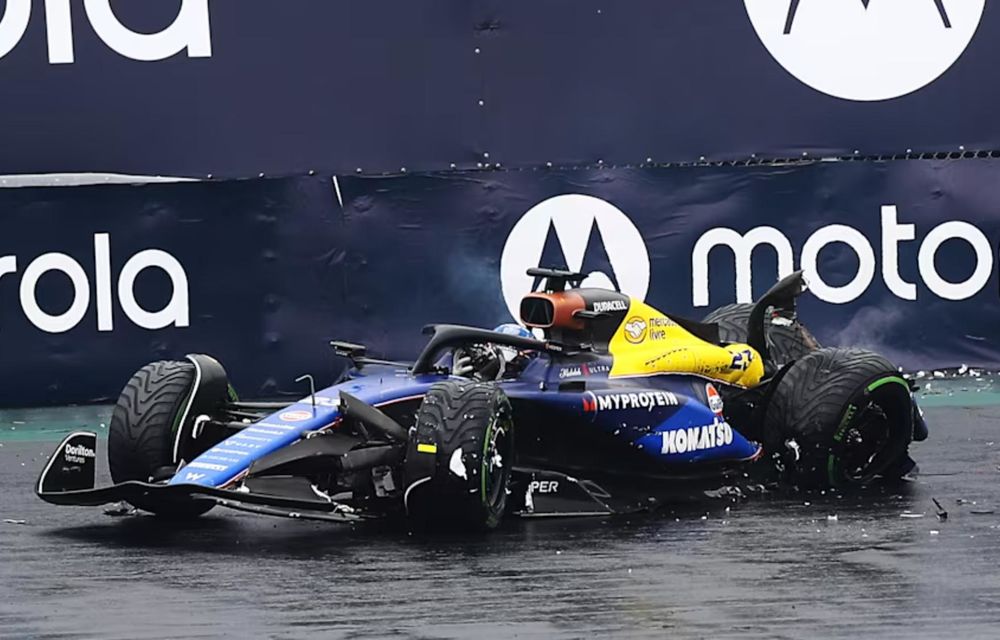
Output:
x=882 y=381
x=831 y=463
x=485 y=463
x=177 y=418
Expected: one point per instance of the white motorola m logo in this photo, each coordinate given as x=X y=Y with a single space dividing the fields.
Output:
x=866 y=50
x=580 y=233
x=189 y=31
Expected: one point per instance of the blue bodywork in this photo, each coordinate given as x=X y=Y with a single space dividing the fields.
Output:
x=666 y=418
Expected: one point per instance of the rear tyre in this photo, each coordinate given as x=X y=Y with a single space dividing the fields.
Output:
x=785 y=342
x=458 y=461
x=144 y=428
x=840 y=418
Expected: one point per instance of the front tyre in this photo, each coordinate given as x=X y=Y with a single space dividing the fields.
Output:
x=840 y=418
x=459 y=459
x=143 y=431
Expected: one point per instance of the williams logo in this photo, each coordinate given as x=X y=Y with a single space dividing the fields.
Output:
x=575 y=232
x=866 y=50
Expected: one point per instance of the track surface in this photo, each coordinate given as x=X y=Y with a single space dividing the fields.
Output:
x=769 y=566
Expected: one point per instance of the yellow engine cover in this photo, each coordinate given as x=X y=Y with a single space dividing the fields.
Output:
x=649 y=343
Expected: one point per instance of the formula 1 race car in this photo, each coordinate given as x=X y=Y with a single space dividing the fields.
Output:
x=613 y=407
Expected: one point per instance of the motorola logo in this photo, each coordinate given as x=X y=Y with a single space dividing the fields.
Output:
x=866 y=50
x=580 y=233
x=190 y=30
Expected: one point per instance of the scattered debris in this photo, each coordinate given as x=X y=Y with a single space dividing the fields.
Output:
x=934 y=532
x=725 y=492
x=939 y=374
x=457 y=466
x=832 y=518
x=941 y=513
x=120 y=509
x=963 y=369
x=13 y=521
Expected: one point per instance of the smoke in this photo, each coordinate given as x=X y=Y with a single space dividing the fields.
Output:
x=873 y=328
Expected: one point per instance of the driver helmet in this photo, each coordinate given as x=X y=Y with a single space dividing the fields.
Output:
x=511 y=329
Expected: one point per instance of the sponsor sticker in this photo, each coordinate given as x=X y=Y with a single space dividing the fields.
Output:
x=635 y=329
x=657 y=328
x=583 y=370
x=604 y=306
x=595 y=369
x=295 y=416
x=543 y=486
x=717 y=434
x=207 y=465
x=231 y=452
x=640 y=400
x=270 y=430
x=78 y=453
x=714 y=399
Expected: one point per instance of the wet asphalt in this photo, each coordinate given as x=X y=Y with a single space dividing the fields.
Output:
x=877 y=565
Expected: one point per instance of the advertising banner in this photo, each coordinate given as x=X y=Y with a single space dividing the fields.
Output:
x=901 y=256
x=95 y=281
x=237 y=88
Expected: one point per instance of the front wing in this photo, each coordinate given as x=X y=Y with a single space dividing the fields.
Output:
x=69 y=478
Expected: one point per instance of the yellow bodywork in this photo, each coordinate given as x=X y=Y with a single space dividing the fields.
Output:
x=649 y=343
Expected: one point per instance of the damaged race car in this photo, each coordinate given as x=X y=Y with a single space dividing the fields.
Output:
x=609 y=407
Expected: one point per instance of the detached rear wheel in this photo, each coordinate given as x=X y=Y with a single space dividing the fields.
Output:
x=458 y=461
x=143 y=431
x=840 y=417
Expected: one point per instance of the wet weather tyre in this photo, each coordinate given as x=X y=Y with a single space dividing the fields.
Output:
x=458 y=461
x=144 y=427
x=839 y=418
x=785 y=342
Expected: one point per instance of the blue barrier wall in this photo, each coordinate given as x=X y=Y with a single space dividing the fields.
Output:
x=239 y=87
x=586 y=107
x=902 y=258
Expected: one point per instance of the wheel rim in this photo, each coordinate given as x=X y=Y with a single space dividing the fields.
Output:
x=496 y=460
x=870 y=434
x=864 y=438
